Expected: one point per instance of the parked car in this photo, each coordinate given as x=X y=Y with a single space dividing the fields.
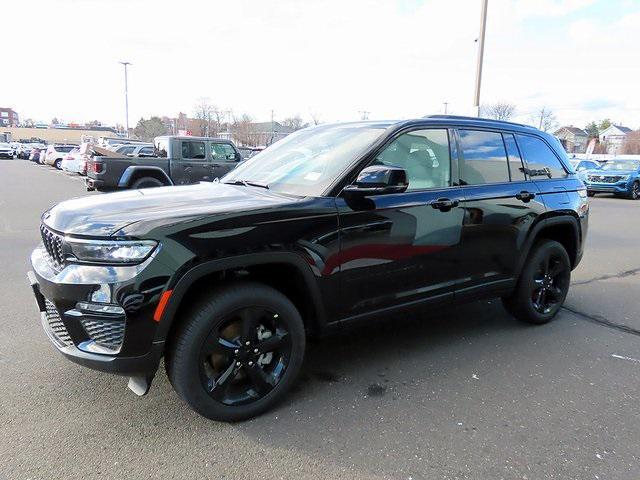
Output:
x=620 y=177
x=582 y=165
x=73 y=162
x=55 y=154
x=177 y=161
x=332 y=224
x=43 y=154
x=34 y=155
x=139 y=150
x=6 y=150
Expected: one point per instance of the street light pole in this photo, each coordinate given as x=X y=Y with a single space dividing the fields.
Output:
x=483 y=26
x=126 y=96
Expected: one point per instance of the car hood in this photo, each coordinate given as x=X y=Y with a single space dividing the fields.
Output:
x=107 y=214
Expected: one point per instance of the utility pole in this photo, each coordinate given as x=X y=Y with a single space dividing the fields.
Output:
x=126 y=96
x=483 y=26
x=446 y=104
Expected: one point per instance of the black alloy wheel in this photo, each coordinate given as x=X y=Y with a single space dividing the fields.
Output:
x=550 y=283
x=245 y=356
x=238 y=352
x=543 y=284
x=635 y=191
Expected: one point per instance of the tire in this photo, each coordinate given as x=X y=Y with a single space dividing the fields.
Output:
x=634 y=194
x=146 y=182
x=591 y=194
x=538 y=295
x=199 y=376
x=58 y=164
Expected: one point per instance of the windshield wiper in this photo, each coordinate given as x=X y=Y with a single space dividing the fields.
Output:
x=247 y=183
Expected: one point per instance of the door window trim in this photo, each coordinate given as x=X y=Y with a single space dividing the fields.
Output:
x=526 y=163
x=370 y=158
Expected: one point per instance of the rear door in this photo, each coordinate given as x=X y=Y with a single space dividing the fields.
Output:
x=224 y=158
x=192 y=165
x=500 y=205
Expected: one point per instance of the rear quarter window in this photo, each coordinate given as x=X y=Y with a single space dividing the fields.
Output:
x=540 y=160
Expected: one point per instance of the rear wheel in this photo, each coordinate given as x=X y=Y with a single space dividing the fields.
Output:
x=238 y=352
x=146 y=182
x=58 y=164
x=543 y=284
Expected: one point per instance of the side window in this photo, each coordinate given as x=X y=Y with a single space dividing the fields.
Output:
x=193 y=150
x=127 y=150
x=541 y=161
x=484 y=158
x=424 y=154
x=222 y=152
x=147 y=151
x=516 y=168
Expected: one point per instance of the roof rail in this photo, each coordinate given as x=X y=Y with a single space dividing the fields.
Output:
x=476 y=119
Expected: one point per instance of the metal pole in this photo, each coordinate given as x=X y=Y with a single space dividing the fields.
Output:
x=126 y=97
x=483 y=26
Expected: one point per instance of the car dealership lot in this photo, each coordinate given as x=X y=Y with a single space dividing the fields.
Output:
x=461 y=393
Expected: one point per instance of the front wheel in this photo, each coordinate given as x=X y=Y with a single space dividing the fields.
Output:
x=635 y=191
x=238 y=352
x=543 y=284
x=58 y=164
x=591 y=194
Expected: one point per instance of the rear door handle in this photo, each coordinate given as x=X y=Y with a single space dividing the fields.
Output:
x=444 y=204
x=525 y=196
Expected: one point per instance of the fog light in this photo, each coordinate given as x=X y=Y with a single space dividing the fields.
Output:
x=96 y=308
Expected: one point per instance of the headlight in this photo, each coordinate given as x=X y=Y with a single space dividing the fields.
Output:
x=111 y=251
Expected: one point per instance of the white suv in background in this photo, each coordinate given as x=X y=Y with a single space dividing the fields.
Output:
x=55 y=154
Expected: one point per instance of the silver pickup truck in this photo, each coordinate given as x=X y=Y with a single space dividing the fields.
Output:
x=176 y=161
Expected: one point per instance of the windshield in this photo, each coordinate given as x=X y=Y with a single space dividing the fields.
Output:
x=622 y=165
x=64 y=149
x=308 y=161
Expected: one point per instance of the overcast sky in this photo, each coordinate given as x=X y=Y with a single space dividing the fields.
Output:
x=395 y=59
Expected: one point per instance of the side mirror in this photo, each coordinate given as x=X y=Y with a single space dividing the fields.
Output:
x=377 y=180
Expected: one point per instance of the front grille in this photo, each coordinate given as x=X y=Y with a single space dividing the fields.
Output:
x=54 y=244
x=56 y=327
x=106 y=333
x=605 y=178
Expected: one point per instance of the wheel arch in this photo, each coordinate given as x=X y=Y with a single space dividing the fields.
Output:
x=293 y=278
x=564 y=229
x=135 y=172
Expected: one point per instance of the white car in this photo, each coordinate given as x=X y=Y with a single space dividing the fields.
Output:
x=6 y=150
x=55 y=154
x=73 y=162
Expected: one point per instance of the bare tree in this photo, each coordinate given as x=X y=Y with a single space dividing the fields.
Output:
x=242 y=131
x=498 y=110
x=203 y=112
x=295 y=123
x=315 y=118
x=544 y=119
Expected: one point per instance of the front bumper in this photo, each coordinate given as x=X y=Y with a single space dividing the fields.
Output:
x=621 y=187
x=82 y=334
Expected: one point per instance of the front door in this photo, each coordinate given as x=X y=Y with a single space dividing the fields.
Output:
x=192 y=166
x=224 y=158
x=402 y=249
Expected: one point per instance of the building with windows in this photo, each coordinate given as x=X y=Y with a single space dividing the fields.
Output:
x=613 y=137
x=573 y=139
x=8 y=117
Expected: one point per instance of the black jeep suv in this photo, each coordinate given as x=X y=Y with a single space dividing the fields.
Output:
x=334 y=223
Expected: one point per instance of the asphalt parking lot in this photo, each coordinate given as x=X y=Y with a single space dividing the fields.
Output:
x=466 y=392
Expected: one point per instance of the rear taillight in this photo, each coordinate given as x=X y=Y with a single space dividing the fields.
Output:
x=98 y=167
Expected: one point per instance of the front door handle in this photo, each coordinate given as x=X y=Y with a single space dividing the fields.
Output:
x=525 y=196
x=444 y=204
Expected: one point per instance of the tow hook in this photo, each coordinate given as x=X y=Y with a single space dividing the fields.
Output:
x=140 y=385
